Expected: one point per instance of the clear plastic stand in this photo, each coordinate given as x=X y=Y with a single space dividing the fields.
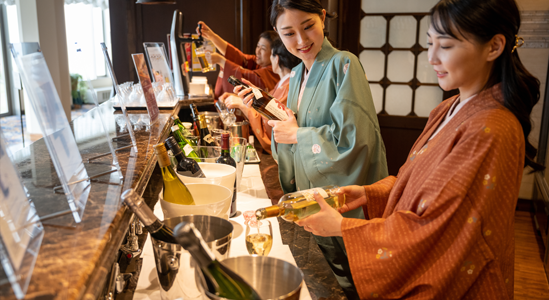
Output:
x=21 y=232
x=145 y=80
x=158 y=62
x=121 y=96
x=55 y=128
x=106 y=131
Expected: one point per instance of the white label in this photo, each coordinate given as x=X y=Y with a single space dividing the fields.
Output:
x=209 y=138
x=187 y=149
x=309 y=194
x=277 y=109
x=175 y=128
x=257 y=93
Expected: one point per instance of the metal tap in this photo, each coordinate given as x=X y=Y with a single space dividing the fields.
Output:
x=131 y=248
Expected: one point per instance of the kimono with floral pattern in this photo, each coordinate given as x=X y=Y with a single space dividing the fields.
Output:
x=444 y=227
x=242 y=65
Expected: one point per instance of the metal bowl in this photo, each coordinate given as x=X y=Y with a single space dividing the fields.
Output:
x=272 y=278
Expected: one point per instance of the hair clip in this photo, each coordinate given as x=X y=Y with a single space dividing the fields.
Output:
x=518 y=43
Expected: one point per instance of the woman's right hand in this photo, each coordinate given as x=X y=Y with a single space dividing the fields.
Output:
x=355 y=197
x=207 y=32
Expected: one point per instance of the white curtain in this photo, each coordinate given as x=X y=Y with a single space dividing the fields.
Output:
x=104 y=4
x=7 y=2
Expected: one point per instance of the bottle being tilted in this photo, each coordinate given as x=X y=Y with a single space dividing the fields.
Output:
x=227 y=284
x=298 y=205
x=185 y=165
x=156 y=228
x=174 y=191
x=263 y=103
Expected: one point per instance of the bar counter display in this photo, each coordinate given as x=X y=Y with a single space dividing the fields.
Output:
x=75 y=261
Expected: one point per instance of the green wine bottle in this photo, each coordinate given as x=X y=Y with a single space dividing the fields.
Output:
x=227 y=283
x=184 y=143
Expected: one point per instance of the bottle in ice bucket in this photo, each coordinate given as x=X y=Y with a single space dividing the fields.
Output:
x=227 y=284
x=226 y=158
x=185 y=165
x=154 y=226
x=298 y=205
x=175 y=191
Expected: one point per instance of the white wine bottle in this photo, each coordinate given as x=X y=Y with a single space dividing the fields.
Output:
x=227 y=284
x=264 y=103
x=296 y=206
x=175 y=191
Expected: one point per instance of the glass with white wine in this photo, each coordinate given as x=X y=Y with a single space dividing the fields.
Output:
x=259 y=237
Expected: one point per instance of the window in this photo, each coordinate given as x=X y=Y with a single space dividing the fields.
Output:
x=87 y=25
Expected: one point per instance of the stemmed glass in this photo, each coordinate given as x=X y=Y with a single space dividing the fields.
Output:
x=259 y=237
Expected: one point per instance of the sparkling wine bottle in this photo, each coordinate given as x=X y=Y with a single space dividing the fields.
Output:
x=263 y=103
x=298 y=205
x=156 y=228
x=226 y=158
x=206 y=138
x=227 y=284
x=185 y=165
x=175 y=191
x=184 y=143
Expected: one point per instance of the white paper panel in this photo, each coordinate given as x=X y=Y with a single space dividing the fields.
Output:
x=377 y=95
x=403 y=31
x=390 y=6
x=423 y=28
x=400 y=66
x=399 y=100
x=373 y=31
x=425 y=71
x=427 y=98
x=373 y=62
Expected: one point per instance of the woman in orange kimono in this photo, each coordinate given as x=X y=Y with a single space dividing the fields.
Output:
x=282 y=62
x=254 y=68
x=444 y=227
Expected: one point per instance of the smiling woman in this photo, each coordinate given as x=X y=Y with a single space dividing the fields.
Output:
x=335 y=139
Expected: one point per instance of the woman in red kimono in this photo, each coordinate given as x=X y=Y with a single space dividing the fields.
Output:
x=282 y=62
x=444 y=227
x=254 y=68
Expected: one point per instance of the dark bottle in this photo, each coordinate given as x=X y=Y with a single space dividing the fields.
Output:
x=206 y=138
x=156 y=228
x=263 y=103
x=226 y=158
x=185 y=165
x=227 y=283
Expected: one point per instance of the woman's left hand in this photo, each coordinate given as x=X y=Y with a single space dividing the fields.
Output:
x=326 y=222
x=285 y=132
x=233 y=101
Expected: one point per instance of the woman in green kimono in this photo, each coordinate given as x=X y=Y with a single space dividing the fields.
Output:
x=335 y=139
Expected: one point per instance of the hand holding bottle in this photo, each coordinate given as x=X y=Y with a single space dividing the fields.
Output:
x=245 y=93
x=327 y=222
x=355 y=196
x=285 y=132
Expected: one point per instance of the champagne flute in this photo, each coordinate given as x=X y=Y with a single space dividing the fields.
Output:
x=259 y=237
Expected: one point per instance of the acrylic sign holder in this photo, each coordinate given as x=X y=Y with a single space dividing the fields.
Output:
x=158 y=62
x=145 y=80
x=21 y=232
x=121 y=98
x=55 y=128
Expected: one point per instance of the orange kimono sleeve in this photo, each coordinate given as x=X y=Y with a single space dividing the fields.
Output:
x=260 y=128
x=450 y=232
x=236 y=56
x=377 y=195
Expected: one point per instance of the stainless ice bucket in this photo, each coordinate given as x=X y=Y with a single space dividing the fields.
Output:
x=240 y=129
x=272 y=278
x=174 y=266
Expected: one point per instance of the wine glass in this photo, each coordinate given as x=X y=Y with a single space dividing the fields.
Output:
x=259 y=237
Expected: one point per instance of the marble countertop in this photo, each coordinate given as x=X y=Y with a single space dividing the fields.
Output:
x=75 y=259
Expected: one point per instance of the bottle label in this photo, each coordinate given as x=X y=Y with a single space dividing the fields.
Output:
x=187 y=149
x=309 y=194
x=277 y=109
x=257 y=93
x=209 y=139
x=175 y=128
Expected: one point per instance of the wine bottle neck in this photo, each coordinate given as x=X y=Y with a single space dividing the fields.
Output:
x=268 y=212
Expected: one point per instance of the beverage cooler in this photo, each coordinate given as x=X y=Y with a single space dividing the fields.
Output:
x=541 y=181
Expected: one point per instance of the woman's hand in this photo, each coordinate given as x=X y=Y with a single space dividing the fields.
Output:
x=355 y=197
x=233 y=101
x=327 y=222
x=218 y=59
x=208 y=33
x=242 y=92
x=285 y=132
